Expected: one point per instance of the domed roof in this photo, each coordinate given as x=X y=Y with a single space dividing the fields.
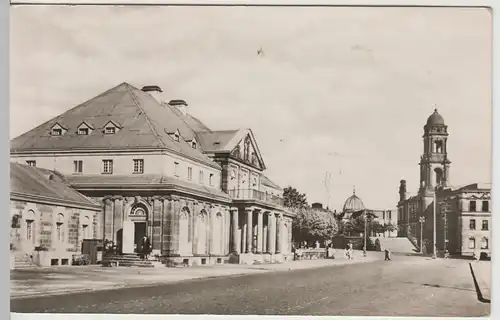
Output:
x=353 y=204
x=435 y=118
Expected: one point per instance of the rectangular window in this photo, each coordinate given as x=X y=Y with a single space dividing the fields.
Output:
x=484 y=243
x=472 y=224
x=485 y=206
x=83 y=131
x=472 y=243
x=56 y=132
x=472 y=206
x=29 y=229
x=210 y=179
x=138 y=166
x=176 y=169
x=31 y=163
x=110 y=130
x=59 y=231
x=78 y=164
x=485 y=225
x=201 y=176
x=190 y=173
x=107 y=166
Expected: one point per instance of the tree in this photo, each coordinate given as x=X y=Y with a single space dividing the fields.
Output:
x=294 y=199
x=314 y=225
x=390 y=227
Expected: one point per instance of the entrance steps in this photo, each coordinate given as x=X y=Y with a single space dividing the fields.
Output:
x=126 y=260
x=22 y=261
x=395 y=245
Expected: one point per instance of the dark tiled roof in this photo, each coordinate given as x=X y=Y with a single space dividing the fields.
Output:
x=145 y=124
x=208 y=140
x=267 y=182
x=34 y=181
x=143 y=180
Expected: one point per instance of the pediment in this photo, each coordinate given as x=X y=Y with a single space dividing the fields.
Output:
x=246 y=151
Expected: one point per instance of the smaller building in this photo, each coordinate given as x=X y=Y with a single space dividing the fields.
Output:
x=463 y=220
x=49 y=219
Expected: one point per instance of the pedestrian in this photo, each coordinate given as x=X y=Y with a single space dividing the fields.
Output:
x=387 y=255
x=145 y=247
x=294 y=251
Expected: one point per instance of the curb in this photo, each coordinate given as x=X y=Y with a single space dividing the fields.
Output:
x=244 y=272
x=479 y=292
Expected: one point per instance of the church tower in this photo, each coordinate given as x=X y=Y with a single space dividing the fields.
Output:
x=434 y=163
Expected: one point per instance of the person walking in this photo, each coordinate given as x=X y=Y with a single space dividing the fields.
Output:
x=145 y=247
x=387 y=255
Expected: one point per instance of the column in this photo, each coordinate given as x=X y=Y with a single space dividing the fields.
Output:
x=278 y=234
x=243 y=237
x=260 y=230
x=271 y=241
x=234 y=230
x=249 y=213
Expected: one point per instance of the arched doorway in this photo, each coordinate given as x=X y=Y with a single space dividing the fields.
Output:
x=130 y=238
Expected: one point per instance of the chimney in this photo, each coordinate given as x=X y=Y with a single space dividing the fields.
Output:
x=181 y=105
x=154 y=91
x=402 y=190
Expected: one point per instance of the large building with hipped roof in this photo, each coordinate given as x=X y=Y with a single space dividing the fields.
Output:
x=463 y=213
x=200 y=195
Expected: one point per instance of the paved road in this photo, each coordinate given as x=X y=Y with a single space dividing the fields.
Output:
x=406 y=286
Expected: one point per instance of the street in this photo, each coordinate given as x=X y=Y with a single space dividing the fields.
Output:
x=405 y=286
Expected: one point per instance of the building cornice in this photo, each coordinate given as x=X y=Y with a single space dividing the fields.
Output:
x=20 y=196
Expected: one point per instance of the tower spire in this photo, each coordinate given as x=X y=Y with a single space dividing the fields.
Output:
x=353 y=189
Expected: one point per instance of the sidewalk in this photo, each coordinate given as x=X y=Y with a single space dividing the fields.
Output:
x=62 y=280
x=482 y=272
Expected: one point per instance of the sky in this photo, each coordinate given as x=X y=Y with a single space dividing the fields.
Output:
x=339 y=90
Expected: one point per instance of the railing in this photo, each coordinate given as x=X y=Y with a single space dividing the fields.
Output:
x=252 y=194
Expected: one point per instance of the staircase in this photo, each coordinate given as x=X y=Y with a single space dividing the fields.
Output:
x=22 y=261
x=126 y=260
x=396 y=245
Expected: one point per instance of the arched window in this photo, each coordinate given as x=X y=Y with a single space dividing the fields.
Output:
x=30 y=226
x=439 y=176
x=184 y=231
x=201 y=232
x=438 y=146
x=472 y=243
x=86 y=228
x=60 y=228
x=484 y=243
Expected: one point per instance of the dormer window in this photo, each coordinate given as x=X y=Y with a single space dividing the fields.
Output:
x=111 y=127
x=83 y=131
x=57 y=130
x=193 y=144
x=176 y=136
x=110 y=130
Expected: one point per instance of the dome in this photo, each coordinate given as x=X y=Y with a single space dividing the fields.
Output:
x=353 y=204
x=435 y=118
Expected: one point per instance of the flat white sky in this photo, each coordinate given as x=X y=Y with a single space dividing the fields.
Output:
x=357 y=82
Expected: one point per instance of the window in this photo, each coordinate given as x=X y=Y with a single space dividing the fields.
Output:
x=59 y=228
x=190 y=173
x=485 y=225
x=138 y=166
x=485 y=206
x=472 y=243
x=254 y=182
x=472 y=206
x=390 y=214
x=201 y=176
x=233 y=174
x=472 y=224
x=31 y=163
x=176 y=169
x=484 y=243
x=78 y=166
x=210 y=179
x=107 y=166
x=176 y=136
x=29 y=230
x=110 y=130
x=439 y=146
x=83 y=131
x=193 y=144
x=57 y=132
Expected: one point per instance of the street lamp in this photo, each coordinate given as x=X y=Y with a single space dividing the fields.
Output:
x=422 y=221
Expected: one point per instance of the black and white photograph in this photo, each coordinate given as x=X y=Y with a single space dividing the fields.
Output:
x=251 y=160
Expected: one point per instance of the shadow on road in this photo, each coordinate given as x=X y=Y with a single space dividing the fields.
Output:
x=439 y=286
x=476 y=285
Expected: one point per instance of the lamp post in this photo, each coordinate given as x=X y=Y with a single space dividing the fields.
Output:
x=434 y=204
x=421 y=220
